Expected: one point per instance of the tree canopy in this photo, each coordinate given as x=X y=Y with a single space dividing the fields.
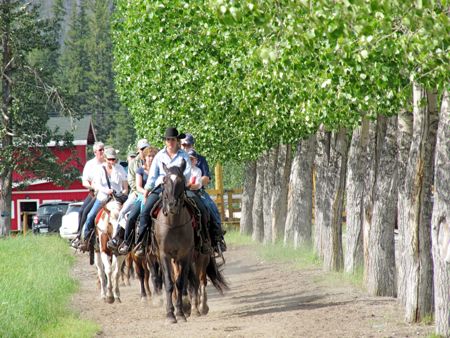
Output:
x=243 y=76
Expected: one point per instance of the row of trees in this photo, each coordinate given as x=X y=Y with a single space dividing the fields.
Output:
x=350 y=88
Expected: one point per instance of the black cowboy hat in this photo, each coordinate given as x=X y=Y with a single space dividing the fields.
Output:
x=173 y=132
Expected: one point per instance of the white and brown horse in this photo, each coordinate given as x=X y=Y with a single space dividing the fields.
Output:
x=108 y=263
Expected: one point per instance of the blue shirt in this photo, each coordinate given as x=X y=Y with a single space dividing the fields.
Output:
x=156 y=172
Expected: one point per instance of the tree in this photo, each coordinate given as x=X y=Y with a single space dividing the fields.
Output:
x=27 y=96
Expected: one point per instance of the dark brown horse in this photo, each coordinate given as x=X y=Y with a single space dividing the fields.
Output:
x=175 y=240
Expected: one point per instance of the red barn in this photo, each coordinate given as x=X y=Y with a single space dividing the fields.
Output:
x=26 y=202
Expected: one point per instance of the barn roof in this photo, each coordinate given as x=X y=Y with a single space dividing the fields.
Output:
x=82 y=129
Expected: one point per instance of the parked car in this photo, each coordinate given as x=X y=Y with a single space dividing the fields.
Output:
x=69 y=227
x=49 y=217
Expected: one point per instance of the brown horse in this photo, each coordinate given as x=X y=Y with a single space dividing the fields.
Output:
x=174 y=237
x=205 y=267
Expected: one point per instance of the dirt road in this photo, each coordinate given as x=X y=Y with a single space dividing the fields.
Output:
x=265 y=300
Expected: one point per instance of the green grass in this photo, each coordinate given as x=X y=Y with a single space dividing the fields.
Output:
x=300 y=258
x=35 y=289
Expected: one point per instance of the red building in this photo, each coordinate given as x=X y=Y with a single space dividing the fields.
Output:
x=26 y=202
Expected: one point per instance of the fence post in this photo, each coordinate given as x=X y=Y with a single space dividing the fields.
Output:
x=219 y=187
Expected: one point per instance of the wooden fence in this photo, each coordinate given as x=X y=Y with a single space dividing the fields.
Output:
x=228 y=202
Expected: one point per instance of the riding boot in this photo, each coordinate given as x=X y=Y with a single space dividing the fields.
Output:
x=140 y=244
x=118 y=237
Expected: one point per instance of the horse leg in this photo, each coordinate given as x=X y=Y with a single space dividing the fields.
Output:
x=107 y=267
x=204 y=308
x=140 y=273
x=101 y=275
x=168 y=284
x=156 y=276
x=193 y=293
x=117 y=264
x=180 y=281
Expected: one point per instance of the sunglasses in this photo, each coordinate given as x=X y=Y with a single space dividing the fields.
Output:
x=101 y=149
x=111 y=159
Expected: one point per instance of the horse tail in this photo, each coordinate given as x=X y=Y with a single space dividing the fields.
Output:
x=216 y=277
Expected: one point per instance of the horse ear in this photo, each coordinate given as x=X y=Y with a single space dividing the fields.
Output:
x=183 y=165
x=166 y=170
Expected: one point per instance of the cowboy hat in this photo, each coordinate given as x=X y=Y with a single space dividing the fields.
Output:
x=173 y=132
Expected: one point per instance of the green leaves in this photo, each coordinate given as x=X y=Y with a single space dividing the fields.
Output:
x=243 y=76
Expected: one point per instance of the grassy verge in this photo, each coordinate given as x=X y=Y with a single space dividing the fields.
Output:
x=301 y=258
x=35 y=289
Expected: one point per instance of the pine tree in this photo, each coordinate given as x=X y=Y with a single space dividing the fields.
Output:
x=27 y=95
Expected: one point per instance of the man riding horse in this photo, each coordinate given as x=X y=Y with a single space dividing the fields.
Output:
x=170 y=155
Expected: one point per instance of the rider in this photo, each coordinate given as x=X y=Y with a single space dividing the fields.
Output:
x=108 y=178
x=128 y=205
x=141 y=178
x=216 y=225
x=87 y=181
x=171 y=155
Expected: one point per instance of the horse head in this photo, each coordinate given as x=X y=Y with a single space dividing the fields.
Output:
x=173 y=188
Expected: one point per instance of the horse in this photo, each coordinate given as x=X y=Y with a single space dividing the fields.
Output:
x=174 y=238
x=146 y=266
x=108 y=263
x=205 y=267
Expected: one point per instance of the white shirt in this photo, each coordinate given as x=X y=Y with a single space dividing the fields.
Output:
x=118 y=176
x=90 y=168
x=196 y=177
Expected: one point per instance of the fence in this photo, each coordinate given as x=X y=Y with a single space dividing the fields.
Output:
x=229 y=204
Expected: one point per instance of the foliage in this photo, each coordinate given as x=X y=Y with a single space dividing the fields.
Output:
x=30 y=94
x=35 y=300
x=248 y=75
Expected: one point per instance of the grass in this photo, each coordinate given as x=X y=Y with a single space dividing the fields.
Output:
x=35 y=289
x=300 y=258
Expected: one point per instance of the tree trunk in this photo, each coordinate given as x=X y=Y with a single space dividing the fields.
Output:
x=248 y=194
x=299 y=216
x=440 y=223
x=416 y=216
x=357 y=169
x=333 y=172
x=257 y=213
x=6 y=134
x=380 y=261
x=269 y=182
x=280 y=191
x=405 y=131
x=321 y=203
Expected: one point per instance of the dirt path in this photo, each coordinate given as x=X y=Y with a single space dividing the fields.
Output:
x=265 y=300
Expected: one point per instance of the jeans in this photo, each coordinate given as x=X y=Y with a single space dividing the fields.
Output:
x=84 y=210
x=132 y=218
x=213 y=211
x=90 y=219
x=145 y=218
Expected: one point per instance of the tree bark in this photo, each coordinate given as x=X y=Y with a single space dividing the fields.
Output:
x=332 y=169
x=440 y=222
x=280 y=191
x=380 y=261
x=299 y=216
x=269 y=182
x=405 y=131
x=6 y=120
x=321 y=203
x=248 y=194
x=355 y=189
x=416 y=217
x=257 y=213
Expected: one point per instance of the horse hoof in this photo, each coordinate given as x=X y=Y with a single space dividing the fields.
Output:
x=181 y=317
x=118 y=300
x=204 y=310
x=195 y=313
x=170 y=319
x=143 y=299
x=109 y=300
